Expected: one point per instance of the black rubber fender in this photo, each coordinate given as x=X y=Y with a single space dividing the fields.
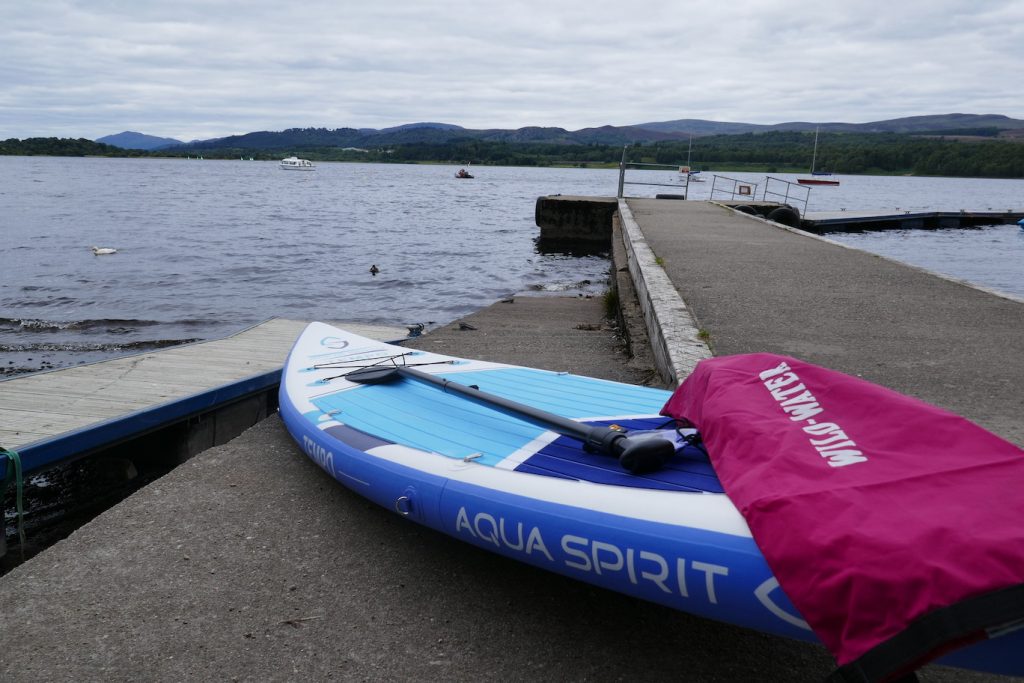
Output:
x=743 y=208
x=785 y=215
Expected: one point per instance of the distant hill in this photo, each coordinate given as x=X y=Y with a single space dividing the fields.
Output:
x=407 y=126
x=430 y=133
x=132 y=140
x=910 y=124
x=61 y=147
x=437 y=134
x=700 y=127
x=954 y=145
x=932 y=124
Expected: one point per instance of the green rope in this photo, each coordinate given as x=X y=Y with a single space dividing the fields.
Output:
x=14 y=468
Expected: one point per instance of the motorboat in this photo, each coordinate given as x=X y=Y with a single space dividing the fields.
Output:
x=296 y=164
x=463 y=173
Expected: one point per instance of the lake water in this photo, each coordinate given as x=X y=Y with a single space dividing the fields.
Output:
x=206 y=248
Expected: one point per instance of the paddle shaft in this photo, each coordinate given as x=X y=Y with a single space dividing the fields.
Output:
x=541 y=418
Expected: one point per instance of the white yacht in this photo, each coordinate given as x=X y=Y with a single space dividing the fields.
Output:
x=297 y=164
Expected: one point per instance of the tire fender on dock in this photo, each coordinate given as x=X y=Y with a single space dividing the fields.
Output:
x=785 y=215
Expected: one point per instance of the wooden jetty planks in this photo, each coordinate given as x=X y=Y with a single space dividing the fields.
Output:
x=42 y=405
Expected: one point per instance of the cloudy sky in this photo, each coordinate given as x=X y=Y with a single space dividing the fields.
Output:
x=194 y=69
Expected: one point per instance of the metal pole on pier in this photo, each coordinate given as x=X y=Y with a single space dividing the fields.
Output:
x=622 y=170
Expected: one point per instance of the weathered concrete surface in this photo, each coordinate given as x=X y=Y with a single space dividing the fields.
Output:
x=674 y=336
x=575 y=221
x=250 y=563
x=563 y=334
x=628 y=311
x=755 y=286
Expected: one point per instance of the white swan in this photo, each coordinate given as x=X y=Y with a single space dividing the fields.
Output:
x=100 y=251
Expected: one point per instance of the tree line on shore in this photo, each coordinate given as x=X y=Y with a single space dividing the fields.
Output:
x=983 y=155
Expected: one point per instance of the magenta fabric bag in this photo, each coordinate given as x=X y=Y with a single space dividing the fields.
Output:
x=873 y=509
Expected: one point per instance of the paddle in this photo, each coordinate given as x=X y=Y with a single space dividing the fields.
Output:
x=635 y=455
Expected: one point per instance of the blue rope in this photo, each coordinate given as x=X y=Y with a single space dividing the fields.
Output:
x=14 y=467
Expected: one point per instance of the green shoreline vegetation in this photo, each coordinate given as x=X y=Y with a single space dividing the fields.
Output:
x=967 y=153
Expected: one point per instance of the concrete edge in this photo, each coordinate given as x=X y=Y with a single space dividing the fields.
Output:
x=943 y=276
x=673 y=332
x=628 y=315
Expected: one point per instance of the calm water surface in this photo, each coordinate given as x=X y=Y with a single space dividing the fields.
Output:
x=206 y=248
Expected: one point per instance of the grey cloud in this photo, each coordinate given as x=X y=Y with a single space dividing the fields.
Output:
x=194 y=69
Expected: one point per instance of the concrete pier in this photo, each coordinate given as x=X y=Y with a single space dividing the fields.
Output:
x=753 y=285
x=570 y=222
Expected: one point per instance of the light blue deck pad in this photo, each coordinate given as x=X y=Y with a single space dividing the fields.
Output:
x=425 y=417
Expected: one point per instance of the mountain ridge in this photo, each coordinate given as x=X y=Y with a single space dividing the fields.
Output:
x=130 y=139
x=656 y=131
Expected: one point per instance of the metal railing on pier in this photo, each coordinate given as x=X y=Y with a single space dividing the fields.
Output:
x=722 y=187
x=625 y=163
x=731 y=188
x=786 y=192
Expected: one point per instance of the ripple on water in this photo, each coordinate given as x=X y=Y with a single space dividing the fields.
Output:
x=228 y=244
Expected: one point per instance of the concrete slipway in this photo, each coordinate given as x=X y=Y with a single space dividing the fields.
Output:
x=249 y=563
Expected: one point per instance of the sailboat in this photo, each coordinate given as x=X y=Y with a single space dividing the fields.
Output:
x=814 y=159
x=685 y=171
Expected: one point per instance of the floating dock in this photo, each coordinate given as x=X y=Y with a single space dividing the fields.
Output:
x=858 y=221
x=54 y=416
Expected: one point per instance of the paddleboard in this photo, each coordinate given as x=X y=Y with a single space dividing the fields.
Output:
x=507 y=485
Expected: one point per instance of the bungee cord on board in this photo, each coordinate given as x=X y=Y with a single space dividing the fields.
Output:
x=352 y=366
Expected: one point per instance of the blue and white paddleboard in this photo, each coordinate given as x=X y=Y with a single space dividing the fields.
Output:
x=503 y=484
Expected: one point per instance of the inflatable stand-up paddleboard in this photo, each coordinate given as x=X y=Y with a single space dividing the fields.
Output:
x=572 y=474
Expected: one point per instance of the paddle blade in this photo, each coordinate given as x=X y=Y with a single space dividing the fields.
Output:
x=645 y=455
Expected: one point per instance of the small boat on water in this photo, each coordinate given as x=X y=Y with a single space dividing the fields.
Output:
x=687 y=173
x=296 y=164
x=463 y=173
x=609 y=483
x=818 y=177
x=690 y=176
